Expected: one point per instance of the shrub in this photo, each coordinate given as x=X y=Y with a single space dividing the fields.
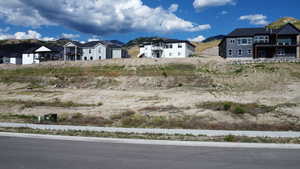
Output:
x=239 y=110
x=227 y=106
x=229 y=138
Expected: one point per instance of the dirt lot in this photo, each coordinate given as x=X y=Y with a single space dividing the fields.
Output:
x=194 y=93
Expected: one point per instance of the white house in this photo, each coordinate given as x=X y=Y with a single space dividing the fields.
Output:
x=96 y=50
x=167 y=48
x=40 y=54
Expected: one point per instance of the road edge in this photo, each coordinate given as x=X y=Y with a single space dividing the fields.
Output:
x=152 y=142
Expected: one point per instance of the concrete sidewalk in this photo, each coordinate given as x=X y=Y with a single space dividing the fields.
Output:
x=153 y=142
x=271 y=134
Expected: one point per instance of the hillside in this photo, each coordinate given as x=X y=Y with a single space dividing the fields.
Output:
x=214 y=38
x=141 y=40
x=201 y=46
x=282 y=21
x=155 y=93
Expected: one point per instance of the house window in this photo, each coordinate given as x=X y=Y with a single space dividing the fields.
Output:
x=249 y=52
x=85 y=58
x=90 y=51
x=169 y=46
x=261 y=39
x=232 y=41
x=240 y=52
x=91 y=58
x=179 y=45
x=284 y=41
x=170 y=54
x=245 y=41
x=99 y=50
x=230 y=52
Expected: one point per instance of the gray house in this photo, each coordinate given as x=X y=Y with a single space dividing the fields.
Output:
x=95 y=50
x=253 y=43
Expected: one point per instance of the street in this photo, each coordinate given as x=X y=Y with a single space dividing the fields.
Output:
x=29 y=153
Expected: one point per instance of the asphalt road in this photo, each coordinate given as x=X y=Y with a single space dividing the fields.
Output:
x=25 y=153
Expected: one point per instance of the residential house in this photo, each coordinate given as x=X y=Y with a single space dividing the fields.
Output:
x=29 y=53
x=41 y=54
x=167 y=48
x=95 y=50
x=253 y=43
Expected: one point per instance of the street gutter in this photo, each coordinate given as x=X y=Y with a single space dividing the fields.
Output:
x=211 y=133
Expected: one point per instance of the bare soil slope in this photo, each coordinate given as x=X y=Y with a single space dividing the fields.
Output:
x=167 y=93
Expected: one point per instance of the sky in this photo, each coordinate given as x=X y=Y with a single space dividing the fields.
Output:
x=124 y=20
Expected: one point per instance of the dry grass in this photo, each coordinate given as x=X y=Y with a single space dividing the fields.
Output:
x=133 y=51
x=55 y=103
x=200 y=47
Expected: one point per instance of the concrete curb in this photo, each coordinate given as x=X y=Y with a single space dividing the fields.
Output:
x=271 y=134
x=153 y=142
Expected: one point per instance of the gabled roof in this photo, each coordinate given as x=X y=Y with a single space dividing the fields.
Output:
x=93 y=44
x=288 y=29
x=248 y=32
x=168 y=41
x=78 y=44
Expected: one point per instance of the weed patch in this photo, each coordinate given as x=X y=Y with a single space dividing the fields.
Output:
x=237 y=108
x=56 y=103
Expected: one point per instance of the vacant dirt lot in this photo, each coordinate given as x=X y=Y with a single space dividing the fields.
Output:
x=180 y=93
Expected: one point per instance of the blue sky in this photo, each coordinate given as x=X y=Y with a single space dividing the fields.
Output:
x=124 y=20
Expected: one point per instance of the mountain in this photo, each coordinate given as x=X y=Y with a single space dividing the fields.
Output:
x=283 y=21
x=213 y=38
x=16 y=41
x=116 y=42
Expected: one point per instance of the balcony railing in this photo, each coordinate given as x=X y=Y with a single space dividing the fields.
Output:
x=157 y=48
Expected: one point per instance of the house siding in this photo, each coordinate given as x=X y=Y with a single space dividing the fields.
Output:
x=94 y=53
x=232 y=44
x=265 y=43
x=175 y=52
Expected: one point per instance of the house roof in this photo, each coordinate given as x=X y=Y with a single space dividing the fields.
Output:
x=95 y=43
x=288 y=29
x=92 y=44
x=168 y=41
x=247 y=32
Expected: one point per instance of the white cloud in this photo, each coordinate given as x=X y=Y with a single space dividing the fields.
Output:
x=69 y=36
x=197 y=39
x=15 y=12
x=173 y=8
x=200 y=4
x=257 y=19
x=30 y=34
x=98 y=17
